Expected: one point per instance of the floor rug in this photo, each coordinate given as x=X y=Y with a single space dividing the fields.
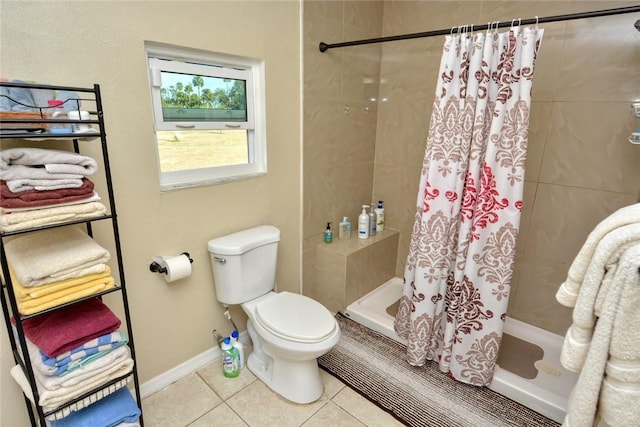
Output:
x=375 y=367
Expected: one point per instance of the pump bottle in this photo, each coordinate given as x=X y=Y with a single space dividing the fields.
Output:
x=344 y=232
x=328 y=234
x=372 y=221
x=363 y=223
x=380 y=216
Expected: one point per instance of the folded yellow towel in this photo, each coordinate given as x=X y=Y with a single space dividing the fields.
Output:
x=70 y=294
x=24 y=293
x=32 y=300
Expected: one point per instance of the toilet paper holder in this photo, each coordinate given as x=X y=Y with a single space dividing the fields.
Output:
x=157 y=268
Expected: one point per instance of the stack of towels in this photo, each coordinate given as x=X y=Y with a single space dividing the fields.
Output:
x=55 y=266
x=42 y=186
x=75 y=350
x=603 y=342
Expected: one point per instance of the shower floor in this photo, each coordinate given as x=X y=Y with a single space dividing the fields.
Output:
x=529 y=369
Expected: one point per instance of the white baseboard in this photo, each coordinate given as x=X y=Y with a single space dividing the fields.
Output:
x=167 y=378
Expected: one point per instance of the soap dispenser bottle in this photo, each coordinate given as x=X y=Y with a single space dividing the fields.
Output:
x=372 y=221
x=344 y=232
x=380 y=216
x=328 y=234
x=363 y=223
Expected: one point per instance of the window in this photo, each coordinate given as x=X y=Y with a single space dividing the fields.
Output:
x=208 y=111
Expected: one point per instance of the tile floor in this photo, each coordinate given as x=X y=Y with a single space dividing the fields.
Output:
x=206 y=398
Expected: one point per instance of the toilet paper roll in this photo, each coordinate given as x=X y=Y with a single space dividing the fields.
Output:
x=178 y=267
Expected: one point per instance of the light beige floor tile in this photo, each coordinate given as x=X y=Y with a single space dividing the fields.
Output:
x=221 y=415
x=365 y=411
x=332 y=415
x=259 y=406
x=331 y=384
x=223 y=386
x=179 y=404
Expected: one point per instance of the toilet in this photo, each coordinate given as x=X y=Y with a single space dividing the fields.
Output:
x=289 y=331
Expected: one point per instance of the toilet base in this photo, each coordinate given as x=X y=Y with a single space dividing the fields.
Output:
x=297 y=381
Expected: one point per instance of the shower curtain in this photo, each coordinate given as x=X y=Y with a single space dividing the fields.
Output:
x=458 y=271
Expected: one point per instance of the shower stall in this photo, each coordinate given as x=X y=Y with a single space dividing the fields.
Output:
x=529 y=369
x=366 y=113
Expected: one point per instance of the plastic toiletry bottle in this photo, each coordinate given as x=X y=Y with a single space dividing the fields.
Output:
x=372 y=221
x=328 y=234
x=344 y=232
x=230 y=367
x=239 y=348
x=363 y=223
x=380 y=216
x=55 y=112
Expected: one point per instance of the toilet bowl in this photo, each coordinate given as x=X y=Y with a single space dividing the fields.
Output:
x=289 y=331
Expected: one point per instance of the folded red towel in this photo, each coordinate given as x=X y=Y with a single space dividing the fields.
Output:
x=34 y=195
x=69 y=327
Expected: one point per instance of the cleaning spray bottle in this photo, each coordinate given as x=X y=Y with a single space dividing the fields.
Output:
x=229 y=359
x=363 y=223
x=328 y=234
x=239 y=347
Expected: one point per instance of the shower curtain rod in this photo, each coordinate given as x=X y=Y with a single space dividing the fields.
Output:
x=582 y=15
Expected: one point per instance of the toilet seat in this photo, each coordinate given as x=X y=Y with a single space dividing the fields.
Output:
x=295 y=317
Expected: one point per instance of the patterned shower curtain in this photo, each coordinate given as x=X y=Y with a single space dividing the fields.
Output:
x=461 y=257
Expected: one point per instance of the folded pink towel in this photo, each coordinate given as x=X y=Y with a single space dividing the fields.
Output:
x=65 y=329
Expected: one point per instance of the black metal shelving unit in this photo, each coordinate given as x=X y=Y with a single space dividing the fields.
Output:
x=37 y=129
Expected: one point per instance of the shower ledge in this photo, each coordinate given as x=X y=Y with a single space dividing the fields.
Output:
x=348 y=269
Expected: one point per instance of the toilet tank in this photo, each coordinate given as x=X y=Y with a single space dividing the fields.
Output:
x=244 y=263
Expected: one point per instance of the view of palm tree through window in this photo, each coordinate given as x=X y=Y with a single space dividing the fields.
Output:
x=195 y=98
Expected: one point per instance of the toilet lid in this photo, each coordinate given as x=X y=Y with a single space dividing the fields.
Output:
x=295 y=317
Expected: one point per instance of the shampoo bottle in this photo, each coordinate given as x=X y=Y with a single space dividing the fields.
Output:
x=380 y=216
x=363 y=223
x=229 y=359
x=372 y=221
x=239 y=348
x=328 y=234
x=344 y=232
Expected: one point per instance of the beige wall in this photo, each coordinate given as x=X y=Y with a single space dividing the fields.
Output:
x=339 y=118
x=580 y=166
x=81 y=43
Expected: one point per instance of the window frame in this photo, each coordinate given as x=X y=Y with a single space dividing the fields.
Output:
x=163 y=57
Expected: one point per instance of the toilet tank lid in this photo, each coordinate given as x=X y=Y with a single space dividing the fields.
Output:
x=243 y=241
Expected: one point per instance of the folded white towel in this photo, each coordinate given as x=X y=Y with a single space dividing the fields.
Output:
x=75 y=377
x=14 y=172
x=50 y=400
x=58 y=159
x=50 y=215
x=51 y=255
x=568 y=292
x=18 y=185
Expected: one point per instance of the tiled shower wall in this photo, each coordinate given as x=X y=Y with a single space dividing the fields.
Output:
x=340 y=116
x=580 y=167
